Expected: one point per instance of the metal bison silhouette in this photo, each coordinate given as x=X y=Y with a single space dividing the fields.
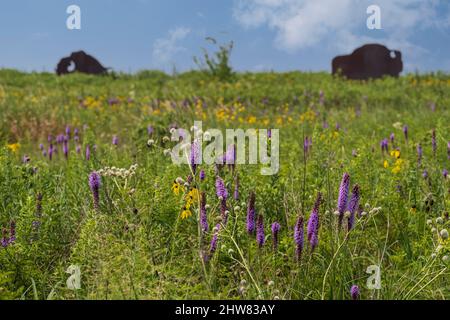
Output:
x=82 y=63
x=369 y=61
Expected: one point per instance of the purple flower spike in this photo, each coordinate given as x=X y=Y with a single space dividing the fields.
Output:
x=66 y=149
x=445 y=173
x=203 y=216
x=150 y=130
x=202 y=175
x=50 y=152
x=419 y=153
x=194 y=156
x=260 y=239
x=448 y=150
x=275 y=230
x=213 y=245
x=221 y=191
x=392 y=138
x=354 y=292
x=343 y=196
x=115 y=140
x=88 y=152
x=94 y=184
x=251 y=213
x=236 y=188
x=312 y=230
x=298 y=238
x=353 y=206
x=405 y=132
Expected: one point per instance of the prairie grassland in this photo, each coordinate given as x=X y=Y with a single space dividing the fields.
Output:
x=146 y=238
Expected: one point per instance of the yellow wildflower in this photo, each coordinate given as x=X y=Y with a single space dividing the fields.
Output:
x=395 y=154
x=13 y=147
x=186 y=213
x=385 y=164
x=176 y=188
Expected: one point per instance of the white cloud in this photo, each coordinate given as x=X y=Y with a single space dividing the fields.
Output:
x=164 y=49
x=300 y=24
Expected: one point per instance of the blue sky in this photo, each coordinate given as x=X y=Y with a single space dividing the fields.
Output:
x=268 y=34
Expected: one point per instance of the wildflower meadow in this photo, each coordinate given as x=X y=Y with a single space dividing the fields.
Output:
x=92 y=205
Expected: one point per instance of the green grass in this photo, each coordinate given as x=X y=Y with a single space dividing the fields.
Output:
x=136 y=246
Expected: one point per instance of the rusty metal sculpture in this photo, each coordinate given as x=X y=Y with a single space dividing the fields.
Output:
x=82 y=62
x=369 y=61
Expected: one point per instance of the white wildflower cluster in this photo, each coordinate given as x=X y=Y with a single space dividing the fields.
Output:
x=437 y=228
x=118 y=172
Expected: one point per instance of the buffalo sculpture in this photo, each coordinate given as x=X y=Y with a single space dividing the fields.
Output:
x=81 y=62
x=369 y=61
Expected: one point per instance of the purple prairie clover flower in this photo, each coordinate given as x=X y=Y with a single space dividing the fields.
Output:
x=115 y=140
x=392 y=138
x=236 y=188
x=275 y=230
x=425 y=174
x=68 y=131
x=41 y=147
x=445 y=173
x=88 y=152
x=260 y=239
x=433 y=141
x=251 y=213
x=405 y=132
x=203 y=216
x=76 y=132
x=94 y=184
x=354 y=292
x=353 y=206
x=299 y=238
x=312 y=229
x=419 y=153
x=343 y=196
x=78 y=148
x=221 y=190
x=202 y=175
